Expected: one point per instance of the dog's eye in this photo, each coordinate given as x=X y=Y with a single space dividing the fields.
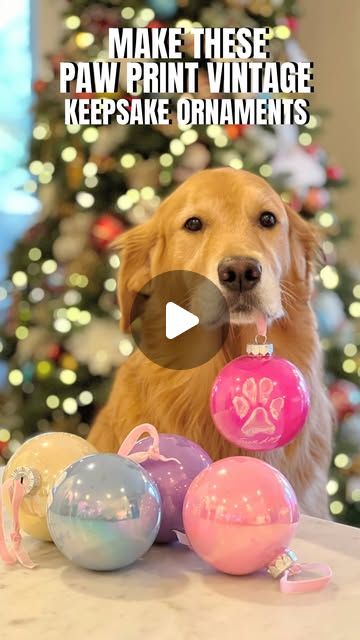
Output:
x=267 y=219
x=193 y=224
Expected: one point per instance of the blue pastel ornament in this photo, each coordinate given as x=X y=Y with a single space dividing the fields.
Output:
x=164 y=8
x=104 y=512
x=329 y=311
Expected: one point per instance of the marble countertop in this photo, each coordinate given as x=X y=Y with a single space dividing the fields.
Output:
x=172 y=595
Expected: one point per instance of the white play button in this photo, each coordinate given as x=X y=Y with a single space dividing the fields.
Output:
x=178 y=320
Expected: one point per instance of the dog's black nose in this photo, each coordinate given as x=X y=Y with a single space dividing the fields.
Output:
x=239 y=273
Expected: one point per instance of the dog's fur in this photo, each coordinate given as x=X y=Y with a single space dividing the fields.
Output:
x=229 y=202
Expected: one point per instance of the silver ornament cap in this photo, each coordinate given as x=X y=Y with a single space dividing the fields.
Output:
x=29 y=477
x=283 y=562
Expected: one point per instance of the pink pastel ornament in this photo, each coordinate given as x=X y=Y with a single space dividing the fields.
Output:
x=240 y=515
x=259 y=401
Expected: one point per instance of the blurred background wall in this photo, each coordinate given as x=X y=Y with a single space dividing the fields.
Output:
x=330 y=35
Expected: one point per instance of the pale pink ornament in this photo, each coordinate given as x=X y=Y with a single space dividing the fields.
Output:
x=259 y=401
x=240 y=515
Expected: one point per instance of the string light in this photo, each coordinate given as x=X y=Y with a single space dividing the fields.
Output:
x=90 y=169
x=189 y=137
x=84 y=318
x=44 y=368
x=329 y=277
x=90 y=183
x=78 y=280
x=48 y=267
x=341 y=460
x=85 y=199
x=166 y=160
x=20 y=279
x=354 y=309
x=305 y=139
x=35 y=254
x=21 y=332
x=213 y=130
x=35 y=167
x=313 y=123
x=41 y=131
x=265 y=170
x=90 y=134
x=177 y=147
x=52 y=402
x=221 y=140
x=125 y=347
x=110 y=284
x=86 y=397
x=350 y=350
x=84 y=39
x=16 y=377
x=62 y=325
x=37 y=294
x=73 y=128
x=349 y=366
x=72 y=22
x=67 y=376
x=236 y=163
x=69 y=154
x=127 y=13
x=72 y=297
x=332 y=487
x=356 y=291
x=128 y=160
x=70 y=406
x=30 y=186
x=282 y=32
x=326 y=219
x=114 y=261
x=336 y=507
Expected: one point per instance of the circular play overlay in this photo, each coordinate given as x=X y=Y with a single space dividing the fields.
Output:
x=179 y=319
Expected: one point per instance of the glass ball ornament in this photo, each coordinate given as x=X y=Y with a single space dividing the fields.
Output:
x=38 y=462
x=259 y=401
x=173 y=477
x=104 y=512
x=164 y=8
x=240 y=515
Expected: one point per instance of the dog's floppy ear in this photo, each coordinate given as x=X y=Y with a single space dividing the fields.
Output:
x=304 y=247
x=135 y=267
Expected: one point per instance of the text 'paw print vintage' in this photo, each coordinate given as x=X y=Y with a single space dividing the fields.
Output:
x=259 y=402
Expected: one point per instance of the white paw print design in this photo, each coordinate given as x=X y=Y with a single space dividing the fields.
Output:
x=256 y=406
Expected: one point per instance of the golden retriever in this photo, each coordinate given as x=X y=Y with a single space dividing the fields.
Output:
x=231 y=227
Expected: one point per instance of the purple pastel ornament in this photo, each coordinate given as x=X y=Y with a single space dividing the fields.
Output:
x=172 y=462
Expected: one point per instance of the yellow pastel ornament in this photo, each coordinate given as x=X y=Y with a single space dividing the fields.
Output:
x=37 y=463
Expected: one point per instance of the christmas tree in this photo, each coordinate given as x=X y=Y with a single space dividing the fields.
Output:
x=61 y=338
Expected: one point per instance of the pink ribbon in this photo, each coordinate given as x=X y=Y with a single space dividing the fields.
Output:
x=11 y=549
x=153 y=452
x=308 y=584
x=291 y=586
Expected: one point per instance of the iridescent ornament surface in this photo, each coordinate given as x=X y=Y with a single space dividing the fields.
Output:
x=240 y=514
x=46 y=455
x=104 y=512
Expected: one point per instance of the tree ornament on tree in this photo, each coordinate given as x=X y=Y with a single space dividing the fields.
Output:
x=105 y=230
x=164 y=8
